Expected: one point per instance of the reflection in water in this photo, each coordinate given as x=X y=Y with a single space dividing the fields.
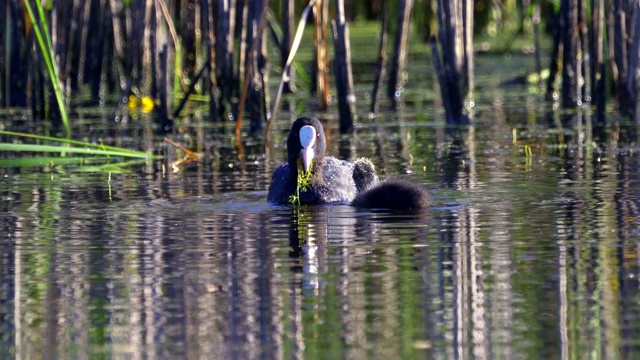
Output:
x=530 y=259
x=162 y=278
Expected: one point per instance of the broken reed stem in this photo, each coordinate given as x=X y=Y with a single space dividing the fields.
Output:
x=247 y=78
x=285 y=45
x=455 y=37
x=398 y=62
x=570 y=68
x=320 y=16
x=382 y=59
x=342 y=70
x=192 y=87
x=292 y=52
x=598 y=72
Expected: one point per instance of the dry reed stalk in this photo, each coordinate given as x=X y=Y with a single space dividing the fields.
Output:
x=320 y=17
x=455 y=21
x=399 y=59
x=598 y=71
x=342 y=70
x=382 y=59
x=292 y=52
x=285 y=44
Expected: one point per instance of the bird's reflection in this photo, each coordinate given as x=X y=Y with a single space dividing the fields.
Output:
x=315 y=229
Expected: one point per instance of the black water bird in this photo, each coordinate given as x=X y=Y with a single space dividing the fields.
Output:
x=395 y=195
x=310 y=177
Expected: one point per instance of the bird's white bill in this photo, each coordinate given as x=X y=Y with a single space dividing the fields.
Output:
x=307 y=140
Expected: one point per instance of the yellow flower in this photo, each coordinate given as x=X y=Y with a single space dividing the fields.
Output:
x=147 y=104
x=133 y=102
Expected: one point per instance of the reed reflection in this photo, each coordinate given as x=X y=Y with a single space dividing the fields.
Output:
x=138 y=266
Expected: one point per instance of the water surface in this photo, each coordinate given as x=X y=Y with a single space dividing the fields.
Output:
x=522 y=256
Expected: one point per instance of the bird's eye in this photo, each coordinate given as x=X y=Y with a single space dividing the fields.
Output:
x=317 y=136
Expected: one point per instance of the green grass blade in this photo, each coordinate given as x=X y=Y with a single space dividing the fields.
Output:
x=70 y=142
x=119 y=168
x=46 y=48
x=66 y=149
x=50 y=161
x=47 y=35
x=303 y=76
x=84 y=164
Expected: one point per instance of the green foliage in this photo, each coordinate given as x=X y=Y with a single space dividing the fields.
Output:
x=91 y=154
x=41 y=30
x=74 y=143
x=62 y=149
x=303 y=180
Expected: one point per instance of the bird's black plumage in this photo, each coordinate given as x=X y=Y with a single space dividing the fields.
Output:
x=332 y=180
x=336 y=181
x=397 y=195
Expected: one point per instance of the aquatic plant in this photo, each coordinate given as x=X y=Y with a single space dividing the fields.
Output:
x=85 y=153
x=41 y=29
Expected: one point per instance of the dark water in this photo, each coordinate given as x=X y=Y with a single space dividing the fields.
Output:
x=521 y=256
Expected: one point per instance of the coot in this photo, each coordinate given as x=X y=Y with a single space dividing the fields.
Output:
x=310 y=177
x=396 y=195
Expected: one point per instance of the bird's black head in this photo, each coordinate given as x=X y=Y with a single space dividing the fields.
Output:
x=306 y=142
